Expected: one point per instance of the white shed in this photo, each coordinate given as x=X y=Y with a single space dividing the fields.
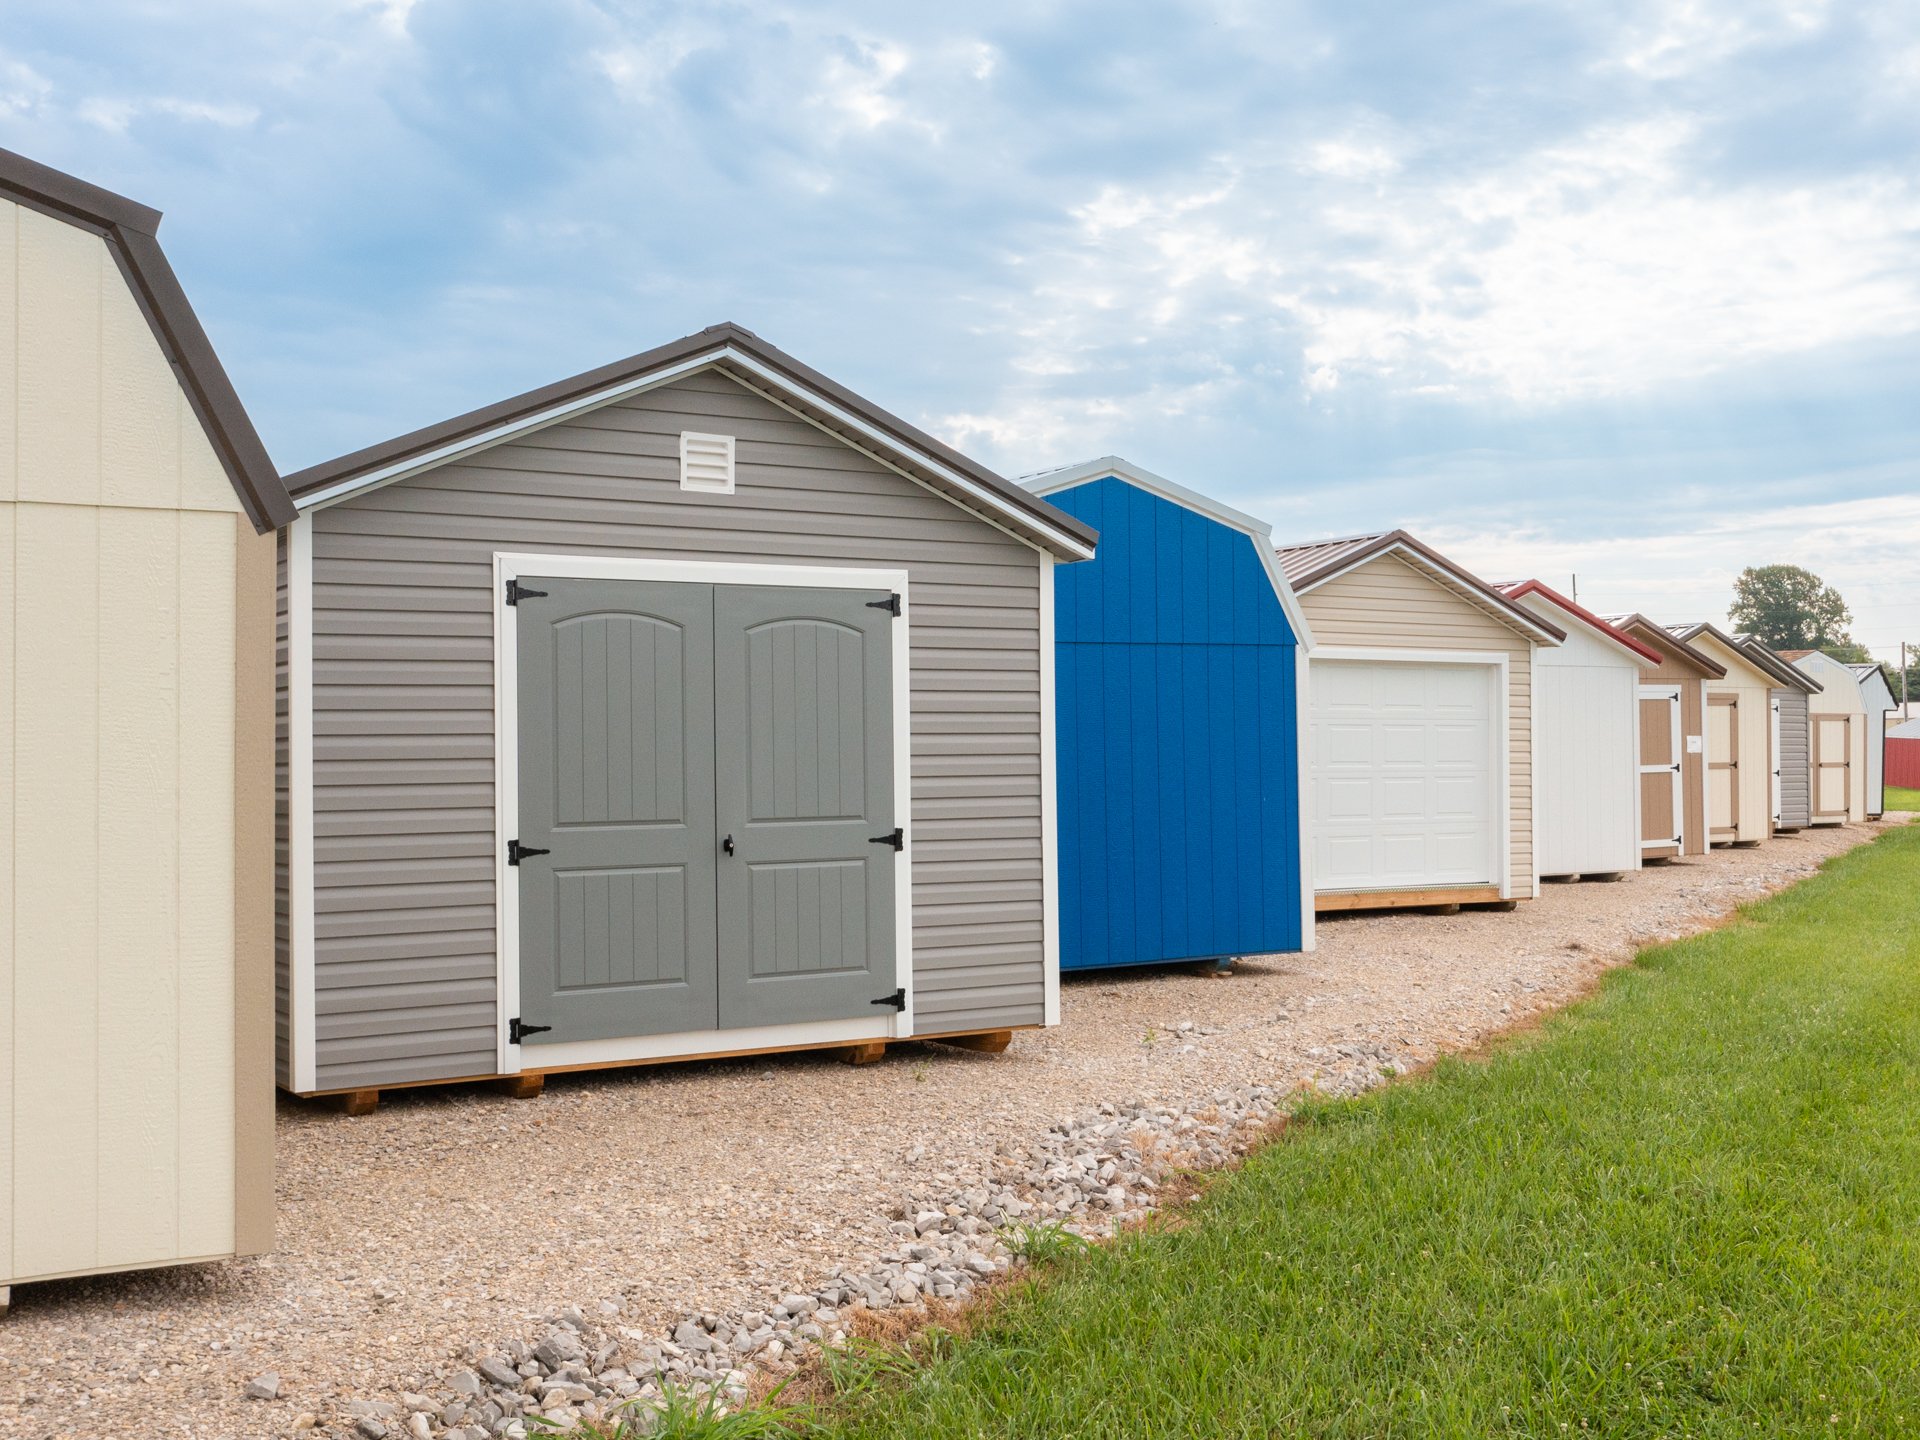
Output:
x=1876 y=694
x=1586 y=718
x=136 y=763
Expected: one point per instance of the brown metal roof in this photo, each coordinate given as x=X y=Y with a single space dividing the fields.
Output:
x=1319 y=561
x=1792 y=655
x=1665 y=641
x=1774 y=663
x=800 y=388
x=129 y=230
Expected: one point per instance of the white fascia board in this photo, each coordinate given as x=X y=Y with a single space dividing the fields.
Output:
x=582 y=404
x=1053 y=482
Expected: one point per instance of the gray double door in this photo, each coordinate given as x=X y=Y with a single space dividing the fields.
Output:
x=709 y=769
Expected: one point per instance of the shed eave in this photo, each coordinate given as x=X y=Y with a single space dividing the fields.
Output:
x=1469 y=588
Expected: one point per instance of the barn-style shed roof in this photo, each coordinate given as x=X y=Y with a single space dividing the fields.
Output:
x=1319 y=561
x=130 y=228
x=748 y=360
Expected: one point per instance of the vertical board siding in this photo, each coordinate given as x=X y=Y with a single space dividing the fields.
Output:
x=1386 y=604
x=1177 y=734
x=403 y=702
x=117 y=924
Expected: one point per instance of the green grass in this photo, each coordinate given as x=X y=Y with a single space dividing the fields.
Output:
x=1689 y=1207
x=1901 y=798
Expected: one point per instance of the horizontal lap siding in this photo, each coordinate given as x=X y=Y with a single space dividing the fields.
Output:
x=1387 y=604
x=403 y=707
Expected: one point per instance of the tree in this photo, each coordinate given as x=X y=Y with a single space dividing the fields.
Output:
x=1792 y=609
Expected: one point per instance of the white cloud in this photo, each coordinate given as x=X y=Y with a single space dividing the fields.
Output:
x=22 y=88
x=1667 y=39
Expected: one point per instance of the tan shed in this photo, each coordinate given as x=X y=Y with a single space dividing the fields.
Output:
x=1738 y=737
x=1420 y=769
x=1836 y=739
x=136 y=943
x=1672 y=741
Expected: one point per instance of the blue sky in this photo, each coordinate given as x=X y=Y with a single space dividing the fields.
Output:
x=1628 y=291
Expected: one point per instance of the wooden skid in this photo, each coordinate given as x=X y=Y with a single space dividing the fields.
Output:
x=1407 y=899
x=991 y=1042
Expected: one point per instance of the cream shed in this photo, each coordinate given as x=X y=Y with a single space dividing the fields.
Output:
x=1876 y=695
x=1837 y=739
x=136 y=889
x=1420 y=719
x=1586 y=739
x=690 y=706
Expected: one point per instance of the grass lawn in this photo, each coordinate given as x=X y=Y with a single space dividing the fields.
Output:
x=1688 y=1207
x=1901 y=798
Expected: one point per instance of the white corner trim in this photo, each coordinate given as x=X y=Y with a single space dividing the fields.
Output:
x=1533 y=765
x=1258 y=531
x=506 y=763
x=1049 y=806
x=302 y=1044
x=1303 y=810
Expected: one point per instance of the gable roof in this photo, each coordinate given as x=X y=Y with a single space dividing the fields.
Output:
x=1670 y=645
x=1319 y=561
x=1520 y=589
x=129 y=229
x=743 y=357
x=1756 y=655
x=1052 y=482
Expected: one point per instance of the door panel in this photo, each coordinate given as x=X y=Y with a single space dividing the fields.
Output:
x=804 y=754
x=1402 y=775
x=1723 y=766
x=1833 y=769
x=617 y=933
x=1661 y=813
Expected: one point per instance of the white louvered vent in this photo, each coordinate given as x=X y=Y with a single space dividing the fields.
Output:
x=706 y=463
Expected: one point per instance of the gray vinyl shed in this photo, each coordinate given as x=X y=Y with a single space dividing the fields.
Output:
x=1792 y=756
x=690 y=706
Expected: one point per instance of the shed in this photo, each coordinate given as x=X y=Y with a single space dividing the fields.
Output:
x=1420 y=729
x=1876 y=694
x=1672 y=741
x=1903 y=755
x=1792 y=784
x=1586 y=738
x=691 y=706
x=136 y=1090
x=1738 y=737
x=1837 y=743
x=1181 y=673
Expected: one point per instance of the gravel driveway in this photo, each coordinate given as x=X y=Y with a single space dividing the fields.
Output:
x=453 y=1215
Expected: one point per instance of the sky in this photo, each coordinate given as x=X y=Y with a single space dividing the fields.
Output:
x=1626 y=292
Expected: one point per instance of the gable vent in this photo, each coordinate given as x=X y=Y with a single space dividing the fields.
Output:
x=706 y=463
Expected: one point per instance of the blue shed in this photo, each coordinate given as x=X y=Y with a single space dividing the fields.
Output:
x=1179 y=674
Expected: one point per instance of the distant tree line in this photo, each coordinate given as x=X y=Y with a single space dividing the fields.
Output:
x=1793 y=609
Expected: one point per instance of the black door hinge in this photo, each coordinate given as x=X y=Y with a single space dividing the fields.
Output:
x=898 y=839
x=891 y=605
x=516 y=592
x=898 y=999
x=516 y=852
x=518 y=1030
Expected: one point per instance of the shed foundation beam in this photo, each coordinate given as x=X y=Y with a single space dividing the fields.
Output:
x=357 y=1102
x=865 y=1053
x=1407 y=899
x=521 y=1087
x=990 y=1042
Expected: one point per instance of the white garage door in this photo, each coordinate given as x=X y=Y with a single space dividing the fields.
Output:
x=1402 y=774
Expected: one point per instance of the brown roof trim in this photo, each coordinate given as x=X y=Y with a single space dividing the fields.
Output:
x=910 y=443
x=1670 y=645
x=1520 y=589
x=1359 y=549
x=1750 y=650
x=129 y=229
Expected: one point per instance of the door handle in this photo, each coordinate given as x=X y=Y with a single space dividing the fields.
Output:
x=727 y=845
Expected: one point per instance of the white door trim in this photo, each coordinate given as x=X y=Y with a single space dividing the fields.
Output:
x=1500 y=723
x=302 y=1041
x=1678 y=751
x=1303 y=804
x=506 y=766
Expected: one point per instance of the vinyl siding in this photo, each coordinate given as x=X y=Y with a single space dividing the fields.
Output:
x=403 y=706
x=1386 y=604
x=1792 y=759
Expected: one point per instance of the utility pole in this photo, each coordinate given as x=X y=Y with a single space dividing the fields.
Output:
x=1576 y=588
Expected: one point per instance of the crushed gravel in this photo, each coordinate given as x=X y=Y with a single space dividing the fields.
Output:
x=454 y=1224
